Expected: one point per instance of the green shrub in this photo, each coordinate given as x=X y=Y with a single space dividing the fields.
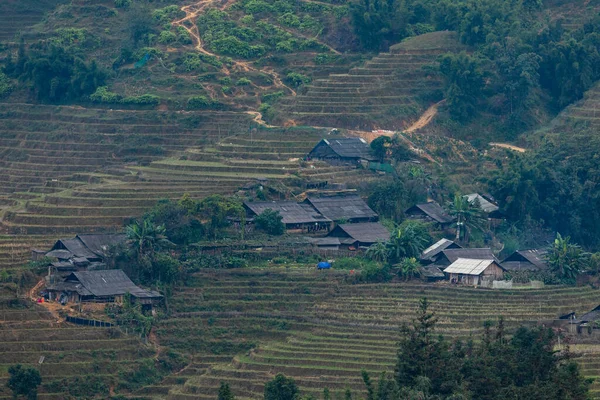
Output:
x=270 y=222
x=243 y=82
x=257 y=6
x=102 y=95
x=145 y=99
x=167 y=37
x=200 y=102
x=321 y=59
x=348 y=263
x=297 y=79
x=166 y=14
x=289 y=19
x=272 y=97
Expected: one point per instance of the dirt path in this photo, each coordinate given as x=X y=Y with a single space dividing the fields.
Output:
x=509 y=146
x=258 y=118
x=192 y=12
x=426 y=118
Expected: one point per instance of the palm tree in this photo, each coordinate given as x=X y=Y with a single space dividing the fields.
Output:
x=469 y=216
x=410 y=268
x=147 y=237
x=408 y=240
x=566 y=259
x=378 y=252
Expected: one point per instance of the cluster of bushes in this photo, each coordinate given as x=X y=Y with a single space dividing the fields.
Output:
x=103 y=95
x=202 y=103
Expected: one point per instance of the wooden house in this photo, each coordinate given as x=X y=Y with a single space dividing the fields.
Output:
x=525 y=260
x=474 y=272
x=100 y=286
x=430 y=212
x=361 y=234
x=347 y=208
x=85 y=252
x=342 y=151
x=295 y=216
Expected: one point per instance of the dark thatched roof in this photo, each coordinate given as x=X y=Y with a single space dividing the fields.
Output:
x=348 y=207
x=290 y=211
x=591 y=316
x=99 y=244
x=475 y=254
x=436 y=248
x=60 y=254
x=433 y=210
x=85 y=246
x=366 y=232
x=525 y=260
x=350 y=148
x=112 y=282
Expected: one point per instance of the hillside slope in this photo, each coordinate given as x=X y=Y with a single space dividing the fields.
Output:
x=387 y=92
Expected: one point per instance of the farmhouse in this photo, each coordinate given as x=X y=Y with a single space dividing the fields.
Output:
x=360 y=235
x=295 y=216
x=449 y=256
x=92 y=248
x=487 y=206
x=81 y=253
x=347 y=208
x=525 y=260
x=430 y=253
x=342 y=151
x=474 y=272
x=430 y=212
x=432 y=273
x=99 y=286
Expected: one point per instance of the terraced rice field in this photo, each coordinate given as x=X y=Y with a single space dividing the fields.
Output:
x=17 y=16
x=71 y=169
x=572 y=14
x=322 y=331
x=29 y=332
x=388 y=88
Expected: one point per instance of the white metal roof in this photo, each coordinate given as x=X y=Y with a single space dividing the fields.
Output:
x=468 y=266
x=436 y=245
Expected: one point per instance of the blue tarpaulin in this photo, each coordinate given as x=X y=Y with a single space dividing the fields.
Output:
x=323 y=265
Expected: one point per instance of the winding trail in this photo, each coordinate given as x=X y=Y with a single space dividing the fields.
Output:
x=426 y=118
x=192 y=12
x=509 y=146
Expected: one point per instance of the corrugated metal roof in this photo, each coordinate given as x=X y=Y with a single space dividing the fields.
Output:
x=434 y=211
x=437 y=248
x=527 y=260
x=467 y=266
x=351 y=148
x=477 y=254
x=485 y=205
x=366 y=232
x=342 y=207
x=290 y=211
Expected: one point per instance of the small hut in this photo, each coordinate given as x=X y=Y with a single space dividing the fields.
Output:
x=474 y=272
x=342 y=151
x=101 y=287
x=362 y=234
x=430 y=212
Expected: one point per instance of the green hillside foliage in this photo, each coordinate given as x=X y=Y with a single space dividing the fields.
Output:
x=558 y=183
